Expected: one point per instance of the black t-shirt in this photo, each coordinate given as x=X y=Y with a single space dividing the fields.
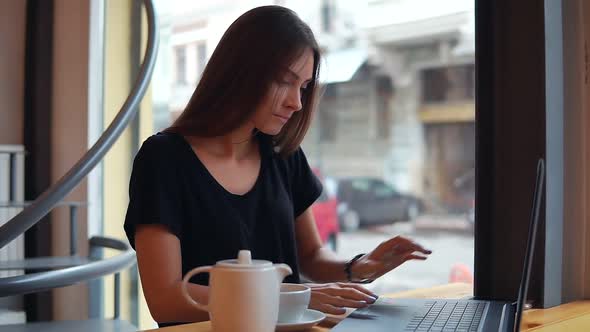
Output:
x=170 y=186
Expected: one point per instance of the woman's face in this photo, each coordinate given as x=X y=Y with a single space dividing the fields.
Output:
x=284 y=96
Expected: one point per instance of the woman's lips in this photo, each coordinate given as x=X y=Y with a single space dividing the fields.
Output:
x=283 y=119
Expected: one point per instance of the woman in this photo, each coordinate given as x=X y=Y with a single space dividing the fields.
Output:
x=229 y=175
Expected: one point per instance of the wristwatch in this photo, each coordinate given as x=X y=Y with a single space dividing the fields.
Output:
x=348 y=271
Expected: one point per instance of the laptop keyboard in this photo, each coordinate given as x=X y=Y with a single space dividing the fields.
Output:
x=442 y=316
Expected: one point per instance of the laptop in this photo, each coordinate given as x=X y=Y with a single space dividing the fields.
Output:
x=452 y=315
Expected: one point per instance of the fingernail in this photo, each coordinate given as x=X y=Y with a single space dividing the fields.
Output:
x=371 y=300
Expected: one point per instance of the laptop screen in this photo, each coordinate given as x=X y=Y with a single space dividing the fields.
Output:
x=530 y=248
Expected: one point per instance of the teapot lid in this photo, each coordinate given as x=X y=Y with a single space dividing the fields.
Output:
x=244 y=260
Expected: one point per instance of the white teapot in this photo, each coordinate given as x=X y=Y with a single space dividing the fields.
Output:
x=243 y=293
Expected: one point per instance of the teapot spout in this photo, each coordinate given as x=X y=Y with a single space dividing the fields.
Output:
x=283 y=270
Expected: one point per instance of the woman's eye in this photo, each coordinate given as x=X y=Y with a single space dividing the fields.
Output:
x=285 y=82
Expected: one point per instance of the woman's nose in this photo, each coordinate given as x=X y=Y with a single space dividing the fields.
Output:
x=294 y=99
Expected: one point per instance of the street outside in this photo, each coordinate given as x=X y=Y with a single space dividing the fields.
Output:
x=450 y=238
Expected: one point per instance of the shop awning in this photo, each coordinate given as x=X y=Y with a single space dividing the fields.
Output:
x=340 y=66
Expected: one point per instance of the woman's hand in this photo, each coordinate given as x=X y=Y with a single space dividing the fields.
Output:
x=386 y=257
x=332 y=298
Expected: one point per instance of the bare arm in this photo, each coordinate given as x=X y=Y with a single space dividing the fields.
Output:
x=322 y=265
x=317 y=263
x=160 y=268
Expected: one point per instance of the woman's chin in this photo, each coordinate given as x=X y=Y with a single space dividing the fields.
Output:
x=271 y=131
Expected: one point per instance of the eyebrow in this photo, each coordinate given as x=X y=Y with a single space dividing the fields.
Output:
x=297 y=76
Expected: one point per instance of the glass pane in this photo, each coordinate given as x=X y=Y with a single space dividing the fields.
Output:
x=393 y=139
x=384 y=191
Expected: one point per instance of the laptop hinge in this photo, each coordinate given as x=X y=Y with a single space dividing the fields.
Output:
x=508 y=318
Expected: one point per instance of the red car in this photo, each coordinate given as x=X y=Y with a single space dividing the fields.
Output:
x=325 y=214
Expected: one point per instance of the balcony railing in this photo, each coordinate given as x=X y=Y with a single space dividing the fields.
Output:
x=63 y=271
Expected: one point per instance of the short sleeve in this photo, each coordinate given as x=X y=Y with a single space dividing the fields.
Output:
x=154 y=190
x=305 y=186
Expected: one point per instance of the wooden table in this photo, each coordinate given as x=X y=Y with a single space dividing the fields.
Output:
x=574 y=316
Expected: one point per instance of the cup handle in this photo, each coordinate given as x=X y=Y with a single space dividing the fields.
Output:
x=190 y=274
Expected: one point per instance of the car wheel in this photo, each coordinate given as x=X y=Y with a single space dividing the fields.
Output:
x=412 y=211
x=332 y=242
x=350 y=221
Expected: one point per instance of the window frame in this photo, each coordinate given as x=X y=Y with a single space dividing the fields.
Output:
x=510 y=137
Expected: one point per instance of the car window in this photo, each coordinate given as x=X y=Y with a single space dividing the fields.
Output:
x=382 y=191
x=361 y=185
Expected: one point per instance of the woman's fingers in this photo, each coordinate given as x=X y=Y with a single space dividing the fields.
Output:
x=327 y=308
x=418 y=257
x=332 y=298
x=358 y=288
x=399 y=245
x=349 y=293
x=337 y=301
x=405 y=244
x=386 y=264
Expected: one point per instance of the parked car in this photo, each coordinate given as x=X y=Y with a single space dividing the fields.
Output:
x=325 y=213
x=371 y=201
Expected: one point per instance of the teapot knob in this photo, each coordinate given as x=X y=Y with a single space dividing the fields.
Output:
x=245 y=257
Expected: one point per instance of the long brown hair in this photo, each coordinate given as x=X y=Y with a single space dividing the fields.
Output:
x=254 y=51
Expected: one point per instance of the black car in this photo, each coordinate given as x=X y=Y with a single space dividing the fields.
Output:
x=371 y=201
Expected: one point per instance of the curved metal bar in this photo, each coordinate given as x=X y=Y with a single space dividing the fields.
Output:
x=24 y=204
x=106 y=242
x=41 y=281
x=46 y=201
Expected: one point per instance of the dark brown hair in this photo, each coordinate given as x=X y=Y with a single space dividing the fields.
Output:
x=255 y=50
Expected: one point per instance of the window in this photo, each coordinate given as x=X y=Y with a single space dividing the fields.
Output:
x=384 y=99
x=393 y=171
x=180 y=62
x=447 y=84
x=328 y=125
x=327 y=12
x=383 y=191
x=326 y=115
x=201 y=58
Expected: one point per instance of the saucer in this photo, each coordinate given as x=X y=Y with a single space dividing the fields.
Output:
x=335 y=319
x=310 y=319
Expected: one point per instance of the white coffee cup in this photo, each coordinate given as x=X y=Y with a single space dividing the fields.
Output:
x=293 y=302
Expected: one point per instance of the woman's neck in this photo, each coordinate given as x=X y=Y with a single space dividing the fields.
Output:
x=237 y=145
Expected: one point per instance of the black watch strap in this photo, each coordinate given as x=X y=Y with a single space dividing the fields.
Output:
x=348 y=270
